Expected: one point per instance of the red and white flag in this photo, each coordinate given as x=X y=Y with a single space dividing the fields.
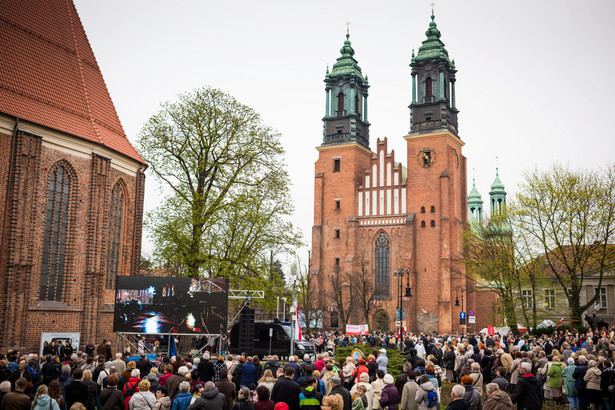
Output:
x=297 y=326
x=560 y=322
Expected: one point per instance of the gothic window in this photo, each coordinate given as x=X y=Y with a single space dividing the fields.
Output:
x=428 y=88
x=340 y=104
x=422 y=209
x=433 y=223
x=356 y=104
x=422 y=224
x=336 y=165
x=55 y=240
x=337 y=233
x=338 y=203
x=115 y=235
x=382 y=266
x=433 y=209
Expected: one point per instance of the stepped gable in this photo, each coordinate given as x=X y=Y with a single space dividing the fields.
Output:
x=49 y=74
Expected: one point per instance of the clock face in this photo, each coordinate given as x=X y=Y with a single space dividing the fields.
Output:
x=426 y=157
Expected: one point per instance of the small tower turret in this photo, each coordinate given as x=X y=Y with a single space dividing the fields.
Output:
x=475 y=204
x=497 y=195
x=345 y=118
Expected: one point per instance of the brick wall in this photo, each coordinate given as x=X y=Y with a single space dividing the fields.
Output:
x=86 y=304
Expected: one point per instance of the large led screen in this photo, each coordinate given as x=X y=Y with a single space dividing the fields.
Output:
x=170 y=305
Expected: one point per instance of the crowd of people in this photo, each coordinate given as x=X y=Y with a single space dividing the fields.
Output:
x=485 y=372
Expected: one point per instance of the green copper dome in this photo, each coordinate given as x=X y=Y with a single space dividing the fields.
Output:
x=497 y=186
x=474 y=197
x=433 y=47
x=346 y=65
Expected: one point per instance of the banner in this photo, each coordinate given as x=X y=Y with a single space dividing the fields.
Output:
x=357 y=329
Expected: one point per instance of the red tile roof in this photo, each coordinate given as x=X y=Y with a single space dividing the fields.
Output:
x=49 y=75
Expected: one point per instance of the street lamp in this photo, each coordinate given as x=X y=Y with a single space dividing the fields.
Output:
x=458 y=290
x=408 y=294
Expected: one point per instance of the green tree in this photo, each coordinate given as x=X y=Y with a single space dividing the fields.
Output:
x=227 y=188
x=568 y=216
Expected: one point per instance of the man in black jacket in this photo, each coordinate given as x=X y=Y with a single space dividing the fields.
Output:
x=286 y=390
x=77 y=391
x=337 y=388
x=206 y=368
x=579 y=382
x=50 y=370
x=528 y=394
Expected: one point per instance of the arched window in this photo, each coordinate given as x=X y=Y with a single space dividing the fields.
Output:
x=422 y=224
x=55 y=240
x=433 y=223
x=382 y=266
x=356 y=103
x=340 y=104
x=428 y=92
x=433 y=209
x=115 y=235
x=422 y=209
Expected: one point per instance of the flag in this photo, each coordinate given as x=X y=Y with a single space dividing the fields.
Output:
x=297 y=326
x=559 y=323
x=172 y=347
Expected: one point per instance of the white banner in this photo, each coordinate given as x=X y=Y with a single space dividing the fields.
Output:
x=357 y=329
x=73 y=338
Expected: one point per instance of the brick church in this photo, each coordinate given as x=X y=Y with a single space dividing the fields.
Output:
x=403 y=222
x=71 y=184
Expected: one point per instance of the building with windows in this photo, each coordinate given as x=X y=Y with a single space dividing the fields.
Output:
x=71 y=184
x=402 y=224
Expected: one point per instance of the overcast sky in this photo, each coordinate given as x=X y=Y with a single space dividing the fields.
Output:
x=534 y=82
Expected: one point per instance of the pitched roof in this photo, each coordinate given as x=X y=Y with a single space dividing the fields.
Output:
x=49 y=75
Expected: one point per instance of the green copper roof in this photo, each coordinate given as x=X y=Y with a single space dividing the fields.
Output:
x=346 y=64
x=474 y=197
x=433 y=47
x=497 y=185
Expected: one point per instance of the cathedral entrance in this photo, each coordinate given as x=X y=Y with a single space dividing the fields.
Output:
x=380 y=320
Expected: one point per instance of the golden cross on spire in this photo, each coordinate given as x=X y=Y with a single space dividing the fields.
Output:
x=432 y=4
x=348 y=27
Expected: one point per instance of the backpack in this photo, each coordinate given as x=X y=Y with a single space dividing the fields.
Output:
x=431 y=399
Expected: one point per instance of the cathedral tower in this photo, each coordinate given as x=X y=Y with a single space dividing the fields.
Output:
x=497 y=195
x=436 y=187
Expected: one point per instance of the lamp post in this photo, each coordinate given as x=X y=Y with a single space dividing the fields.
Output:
x=408 y=294
x=461 y=290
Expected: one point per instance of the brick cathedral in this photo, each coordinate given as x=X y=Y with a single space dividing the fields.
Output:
x=372 y=212
x=71 y=184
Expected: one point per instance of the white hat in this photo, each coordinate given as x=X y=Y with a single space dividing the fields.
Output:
x=383 y=350
x=388 y=379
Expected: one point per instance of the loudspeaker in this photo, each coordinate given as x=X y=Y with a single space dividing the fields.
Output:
x=246 y=331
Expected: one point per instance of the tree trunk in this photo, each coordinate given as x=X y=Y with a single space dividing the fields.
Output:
x=510 y=312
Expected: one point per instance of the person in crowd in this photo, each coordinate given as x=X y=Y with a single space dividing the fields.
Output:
x=500 y=380
x=183 y=397
x=527 y=394
x=592 y=385
x=408 y=394
x=263 y=398
x=568 y=383
x=206 y=368
x=77 y=391
x=143 y=399
x=496 y=398
x=421 y=397
x=243 y=400
x=173 y=382
x=18 y=399
x=119 y=364
x=111 y=398
x=163 y=401
x=21 y=371
x=55 y=392
x=218 y=365
x=226 y=387
x=383 y=360
x=458 y=403
x=42 y=401
x=332 y=402
x=267 y=380
x=287 y=390
x=359 y=399
x=472 y=396
x=310 y=398
x=390 y=396
x=90 y=403
x=338 y=389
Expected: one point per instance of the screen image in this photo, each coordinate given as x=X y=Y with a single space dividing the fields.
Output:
x=153 y=305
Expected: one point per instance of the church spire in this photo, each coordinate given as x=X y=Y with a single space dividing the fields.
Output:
x=475 y=203
x=497 y=195
x=346 y=88
x=433 y=86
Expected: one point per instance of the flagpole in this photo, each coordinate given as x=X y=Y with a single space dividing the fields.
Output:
x=293 y=318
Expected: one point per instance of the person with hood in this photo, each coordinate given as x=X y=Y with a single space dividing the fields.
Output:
x=243 y=400
x=369 y=392
x=383 y=361
x=310 y=398
x=183 y=398
x=527 y=394
x=496 y=398
x=458 y=403
x=143 y=399
x=211 y=399
x=42 y=401
x=163 y=401
x=390 y=396
x=592 y=383
x=422 y=393
x=568 y=383
x=472 y=396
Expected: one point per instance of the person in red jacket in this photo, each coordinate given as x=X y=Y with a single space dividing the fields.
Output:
x=361 y=368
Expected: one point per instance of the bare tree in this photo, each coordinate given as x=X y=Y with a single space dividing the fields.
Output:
x=364 y=289
x=340 y=294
